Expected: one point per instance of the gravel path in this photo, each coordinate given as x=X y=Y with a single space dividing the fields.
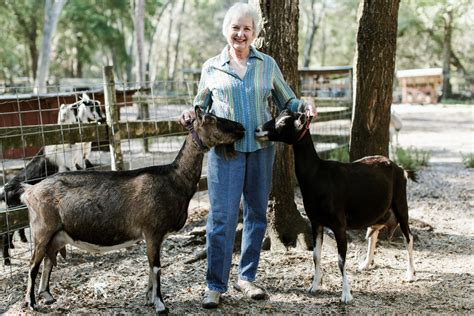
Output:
x=442 y=219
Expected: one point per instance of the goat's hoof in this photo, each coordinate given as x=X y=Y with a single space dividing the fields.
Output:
x=410 y=277
x=48 y=299
x=29 y=305
x=6 y=261
x=364 y=266
x=312 y=290
x=346 y=298
x=160 y=307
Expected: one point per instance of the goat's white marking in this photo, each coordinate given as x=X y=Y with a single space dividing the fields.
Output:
x=346 y=289
x=410 y=276
x=96 y=248
x=156 y=270
x=280 y=120
x=261 y=134
x=159 y=305
x=317 y=266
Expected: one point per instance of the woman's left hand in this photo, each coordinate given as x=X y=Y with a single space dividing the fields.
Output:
x=308 y=108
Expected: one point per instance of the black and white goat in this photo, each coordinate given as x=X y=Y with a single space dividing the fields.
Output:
x=50 y=160
x=367 y=193
x=105 y=210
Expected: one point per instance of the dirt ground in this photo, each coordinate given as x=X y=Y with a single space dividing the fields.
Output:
x=442 y=220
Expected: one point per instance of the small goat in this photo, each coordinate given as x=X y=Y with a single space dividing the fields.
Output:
x=370 y=192
x=83 y=111
x=100 y=211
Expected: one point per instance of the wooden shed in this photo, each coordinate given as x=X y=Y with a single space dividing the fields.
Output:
x=420 y=86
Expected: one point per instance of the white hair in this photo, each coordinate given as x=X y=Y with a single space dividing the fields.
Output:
x=240 y=9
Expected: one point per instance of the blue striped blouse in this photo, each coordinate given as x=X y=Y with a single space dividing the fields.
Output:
x=244 y=100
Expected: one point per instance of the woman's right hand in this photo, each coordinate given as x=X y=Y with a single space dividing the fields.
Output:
x=186 y=116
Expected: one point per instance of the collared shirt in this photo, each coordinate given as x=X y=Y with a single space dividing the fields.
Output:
x=244 y=100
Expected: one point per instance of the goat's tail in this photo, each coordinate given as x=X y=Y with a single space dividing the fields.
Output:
x=24 y=191
x=411 y=174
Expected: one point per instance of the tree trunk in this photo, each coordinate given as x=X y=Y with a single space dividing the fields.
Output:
x=178 y=40
x=279 y=39
x=153 y=50
x=139 y=25
x=448 y=18
x=51 y=17
x=168 y=42
x=374 y=67
x=313 y=25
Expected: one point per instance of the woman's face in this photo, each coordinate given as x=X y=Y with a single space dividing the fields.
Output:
x=240 y=33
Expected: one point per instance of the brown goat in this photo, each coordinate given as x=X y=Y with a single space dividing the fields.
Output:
x=370 y=192
x=105 y=210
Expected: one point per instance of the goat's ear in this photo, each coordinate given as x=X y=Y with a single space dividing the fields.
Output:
x=198 y=112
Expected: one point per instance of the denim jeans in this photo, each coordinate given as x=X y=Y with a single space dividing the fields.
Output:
x=248 y=175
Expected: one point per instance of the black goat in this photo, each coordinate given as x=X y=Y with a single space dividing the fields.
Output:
x=106 y=210
x=370 y=192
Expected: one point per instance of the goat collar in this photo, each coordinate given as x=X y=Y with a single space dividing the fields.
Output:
x=305 y=129
x=197 y=140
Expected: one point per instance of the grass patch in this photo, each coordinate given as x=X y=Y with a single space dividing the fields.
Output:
x=340 y=154
x=411 y=158
x=468 y=160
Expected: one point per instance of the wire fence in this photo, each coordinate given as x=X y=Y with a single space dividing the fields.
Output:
x=149 y=135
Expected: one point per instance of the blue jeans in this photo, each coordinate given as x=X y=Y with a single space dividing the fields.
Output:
x=250 y=175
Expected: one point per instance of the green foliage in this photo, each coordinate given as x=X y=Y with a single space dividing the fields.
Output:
x=457 y=101
x=468 y=160
x=411 y=158
x=340 y=154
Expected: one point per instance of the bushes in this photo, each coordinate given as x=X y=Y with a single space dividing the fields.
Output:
x=411 y=158
x=468 y=160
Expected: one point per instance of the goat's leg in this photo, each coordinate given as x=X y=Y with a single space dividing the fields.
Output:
x=410 y=274
x=43 y=290
x=153 y=251
x=22 y=235
x=7 y=244
x=372 y=236
x=318 y=234
x=341 y=240
x=400 y=208
x=38 y=255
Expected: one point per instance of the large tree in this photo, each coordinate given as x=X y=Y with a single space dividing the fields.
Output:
x=52 y=11
x=374 y=67
x=279 y=39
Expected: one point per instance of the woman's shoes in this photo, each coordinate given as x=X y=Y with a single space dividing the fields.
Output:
x=250 y=289
x=211 y=299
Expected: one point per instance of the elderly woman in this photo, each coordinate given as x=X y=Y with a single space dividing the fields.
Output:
x=237 y=83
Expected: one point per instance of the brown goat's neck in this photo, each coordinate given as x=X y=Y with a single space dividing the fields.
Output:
x=189 y=160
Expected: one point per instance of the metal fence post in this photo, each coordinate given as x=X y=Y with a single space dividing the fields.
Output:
x=112 y=113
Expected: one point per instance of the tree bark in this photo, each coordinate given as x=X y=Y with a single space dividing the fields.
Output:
x=279 y=39
x=313 y=26
x=139 y=25
x=51 y=17
x=374 y=67
x=178 y=40
x=448 y=28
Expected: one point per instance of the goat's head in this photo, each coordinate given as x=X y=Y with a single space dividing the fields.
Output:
x=67 y=114
x=287 y=127
x=214 y=130
x=89 y=110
